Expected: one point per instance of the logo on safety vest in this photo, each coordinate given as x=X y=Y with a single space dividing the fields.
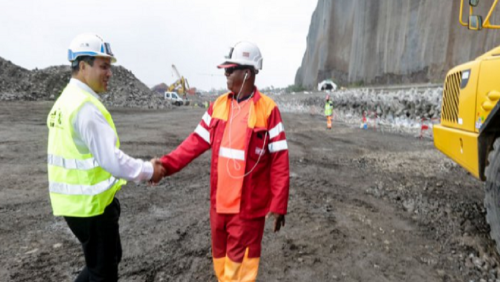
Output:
x=56 y=119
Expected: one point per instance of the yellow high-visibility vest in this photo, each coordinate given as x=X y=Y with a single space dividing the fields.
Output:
x=328 y=108
x=78 y=185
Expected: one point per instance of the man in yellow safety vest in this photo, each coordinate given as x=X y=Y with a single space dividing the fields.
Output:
x=85 y=165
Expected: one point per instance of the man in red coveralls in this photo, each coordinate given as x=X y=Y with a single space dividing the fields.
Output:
x=249 y=177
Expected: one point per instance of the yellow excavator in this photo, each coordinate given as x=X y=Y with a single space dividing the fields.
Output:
x=181 y=85
x=469 y=132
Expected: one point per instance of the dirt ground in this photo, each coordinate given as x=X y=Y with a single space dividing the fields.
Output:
x=364 y=206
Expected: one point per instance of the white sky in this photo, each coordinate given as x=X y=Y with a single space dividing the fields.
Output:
x=148 y=36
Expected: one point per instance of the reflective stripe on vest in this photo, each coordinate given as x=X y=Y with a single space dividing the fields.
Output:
x=232 y=153
x=78 y=185
x=71 y=163
x=76 y=189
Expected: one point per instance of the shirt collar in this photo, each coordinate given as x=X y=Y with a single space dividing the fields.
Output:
x=83 y=86
x=255 y=95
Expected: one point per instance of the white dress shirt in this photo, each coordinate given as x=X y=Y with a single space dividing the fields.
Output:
x=95 y=135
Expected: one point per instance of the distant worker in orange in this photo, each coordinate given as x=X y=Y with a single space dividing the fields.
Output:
x=328 y=112
x=249 y=176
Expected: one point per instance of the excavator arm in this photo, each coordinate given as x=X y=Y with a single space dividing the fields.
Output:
x=181 y=85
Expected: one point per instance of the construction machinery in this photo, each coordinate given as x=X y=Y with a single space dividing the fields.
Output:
x=469 y=132
x=174 y=98
x=181 y=85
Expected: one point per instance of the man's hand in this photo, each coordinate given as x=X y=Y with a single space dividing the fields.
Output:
x=279 y=220
x=158 y=173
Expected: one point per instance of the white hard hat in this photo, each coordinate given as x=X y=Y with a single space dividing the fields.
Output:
x=243 y=53
x=89 y=44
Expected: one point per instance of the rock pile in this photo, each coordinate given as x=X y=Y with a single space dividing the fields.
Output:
x=125 y=90
x=398 y=110
x=13 y=79
x=412 y=104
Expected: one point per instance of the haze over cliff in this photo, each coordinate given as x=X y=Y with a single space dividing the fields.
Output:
x=390 y=41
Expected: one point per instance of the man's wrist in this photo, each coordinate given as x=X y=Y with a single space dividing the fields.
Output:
x=147 y=171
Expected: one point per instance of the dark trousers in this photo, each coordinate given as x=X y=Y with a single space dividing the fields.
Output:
x=100 y=239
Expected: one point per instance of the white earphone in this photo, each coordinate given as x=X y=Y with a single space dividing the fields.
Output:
x=236 y=165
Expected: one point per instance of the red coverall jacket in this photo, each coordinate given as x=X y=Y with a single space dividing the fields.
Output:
x=266 y=187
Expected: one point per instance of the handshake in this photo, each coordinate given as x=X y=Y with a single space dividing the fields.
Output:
x=158 y=171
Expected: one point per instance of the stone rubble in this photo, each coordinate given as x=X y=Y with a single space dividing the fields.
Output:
x=125 y=90
x=402 y=111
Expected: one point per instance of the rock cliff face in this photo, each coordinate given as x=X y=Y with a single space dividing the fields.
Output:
x=390 y=41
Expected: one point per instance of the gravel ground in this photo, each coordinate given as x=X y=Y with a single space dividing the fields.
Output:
x=364 y=206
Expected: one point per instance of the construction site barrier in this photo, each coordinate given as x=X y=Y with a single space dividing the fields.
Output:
x=369 y=120
x=426 y=125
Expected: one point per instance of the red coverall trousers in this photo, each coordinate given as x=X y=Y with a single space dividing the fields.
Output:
x=236 y=246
